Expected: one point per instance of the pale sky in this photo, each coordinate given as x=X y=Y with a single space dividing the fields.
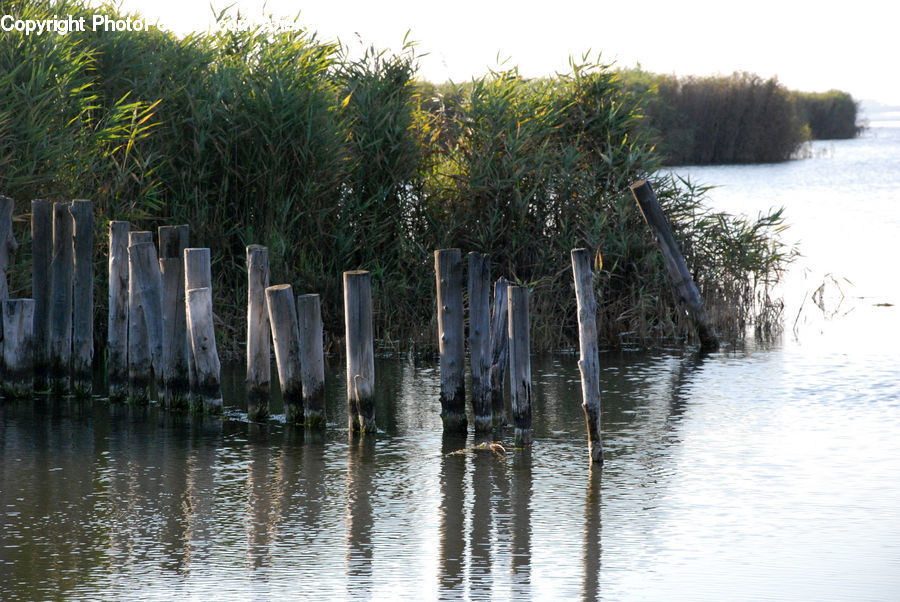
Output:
x=810 y=46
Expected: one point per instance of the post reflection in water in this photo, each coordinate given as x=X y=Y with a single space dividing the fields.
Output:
x=264 y=512
x=520 y=496
x=593 y=544
x=485 y=463
x=451 y=561
x=360 y=477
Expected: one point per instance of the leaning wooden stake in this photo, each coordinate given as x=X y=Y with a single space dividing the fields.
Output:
x=197 y=274
x=312 y=359
x=117 y=324
x=144 y=317
x=176 y=343
x=41 y=253
x=203 y=344
x=360 y=351
x=61 y=299
x=499 y=350
x=589 y=364
x=520 y=363
x=685 y=288
x=259 y=345
x=18 y=343
x=451 y=342
x=480 y=338
x=286 y=336
x=8 y=244
x=83 y=298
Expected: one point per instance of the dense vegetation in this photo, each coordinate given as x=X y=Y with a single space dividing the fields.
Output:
x=741 y=118
x=335 y=164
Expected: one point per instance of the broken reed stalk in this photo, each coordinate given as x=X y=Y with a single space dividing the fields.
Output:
x=17 y=348
x=83 y=298
x=499 y=350
x=589 y=362
x=451 y=342
x=117 y=324
x=685 y=289
x=360 y=351
x=520 y=363
x=61 y=276
x=203 y=344
x=480 y=338
x=286 y=336
x=312 y=359
x=175 y=341
x=197 y=274
x=41 y=253
x=144 y=318
x=259 y=345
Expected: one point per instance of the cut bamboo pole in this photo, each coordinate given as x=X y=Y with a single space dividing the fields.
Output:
x=589 y=363
x=520 y=363
x=259 y=346
x=480 y=338
x=360 y=351
x=83 y=298
x=8 y=244
x=117 y=325
x=176 y=343
x=286 y=336
x=145 y=315
x=203 y=343
x=312 y=359
x=451 y=342
x=61 y=299
x=682 y=281
x=18 y=347
x=197 y=274
x=499 y=350
x=41 y=254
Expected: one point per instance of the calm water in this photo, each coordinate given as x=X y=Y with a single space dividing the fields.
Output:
x=765 y=471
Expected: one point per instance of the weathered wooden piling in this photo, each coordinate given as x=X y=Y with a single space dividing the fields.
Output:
x=175 y=341
x=360 y=351
x=286 y=336
x=451 y=342
x=499 y=350
x=203 y=344
x=682 y=281
x=589 y=362
x=259 y=346
x=41 y=253
x=197 y=274
x=61 y=276
x=144 y=318
x=83 y=297
x=117 y=324
x=480 y=338
x=8 y=244
x=520 y=363
x=312 y=358
x=17 y=347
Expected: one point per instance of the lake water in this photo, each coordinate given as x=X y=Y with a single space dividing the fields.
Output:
x=765 y=471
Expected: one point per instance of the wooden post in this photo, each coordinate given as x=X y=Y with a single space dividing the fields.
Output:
x=480 y=338
x=520 y=363
x=41 y=253
x=360 y=351
x=83 y=298
x=451 y=343
x=144 y=317
x=117 y=326
x=259 y=346
x=499 y=350
x=312 y=359
x=683 y=282
x=8 y=244
x=197 y=274
x=589 y=363
x=18 y=343
x=61 y=299
x=203 y=343
x=286 y=336
x=175 y=341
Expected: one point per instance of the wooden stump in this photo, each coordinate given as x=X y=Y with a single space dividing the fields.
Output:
x=480 y=338
x=589 y=363
x=41 y=253
x=312 y=359
x=176 y=344
x=520 y=363
x=8 y=244
x=360 y=351
x=117 y=325
x=259 y=346
x=451 y=342
x=17 y=347
x=203 y=344
x=499 y=350
x=286 y=336
x=83 y=298
x=145 y=319
x=61 y=276
x=197 y=274
x=140 y=363
x=685 y=288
